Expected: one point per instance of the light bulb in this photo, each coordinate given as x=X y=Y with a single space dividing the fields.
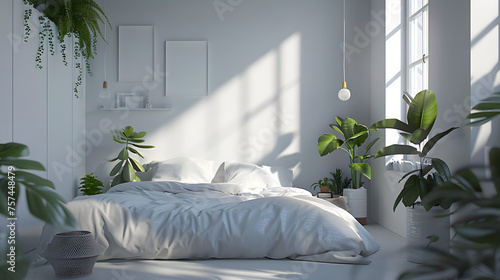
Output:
x=344 y=93
x=105 y=95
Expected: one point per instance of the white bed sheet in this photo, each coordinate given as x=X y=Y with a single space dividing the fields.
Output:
x=174 y=220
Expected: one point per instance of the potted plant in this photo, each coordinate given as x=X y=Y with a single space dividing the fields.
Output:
x=355 y=136
x=478 y=248
x=324 y=185
x=124 y=170
x=71 y=18
x=43 y=203
x=339 y=182
x=430 y=172
x=90 y=185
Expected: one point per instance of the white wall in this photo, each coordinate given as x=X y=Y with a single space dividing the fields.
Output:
x=274 y=73
x=38 y=109
x=485 y=67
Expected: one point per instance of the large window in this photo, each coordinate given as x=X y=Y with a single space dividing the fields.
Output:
x=417 y=55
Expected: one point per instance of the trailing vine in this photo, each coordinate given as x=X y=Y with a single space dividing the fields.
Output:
x=79 y=18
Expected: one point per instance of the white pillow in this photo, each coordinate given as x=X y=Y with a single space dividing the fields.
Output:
x=187 y=170
x=253 y=177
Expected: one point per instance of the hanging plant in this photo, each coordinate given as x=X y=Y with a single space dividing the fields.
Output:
x=78 y=18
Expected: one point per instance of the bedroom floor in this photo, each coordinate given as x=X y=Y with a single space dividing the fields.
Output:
x=386 y=264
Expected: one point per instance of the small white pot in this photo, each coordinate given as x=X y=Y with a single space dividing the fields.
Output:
x=419 y=225
x=357 y=202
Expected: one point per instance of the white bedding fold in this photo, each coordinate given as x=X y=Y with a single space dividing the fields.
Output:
x=173 y=220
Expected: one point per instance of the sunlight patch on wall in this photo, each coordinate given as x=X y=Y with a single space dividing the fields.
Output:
x=253 y=117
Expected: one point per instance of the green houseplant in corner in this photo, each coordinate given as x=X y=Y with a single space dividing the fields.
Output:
x=90 y=185
x=355 y=136
x=324 y=185
x=43 y=203
x=421 y=116
x=124 y=170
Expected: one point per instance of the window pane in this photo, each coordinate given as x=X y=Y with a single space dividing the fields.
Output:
x=416 y=30
x=416 y=79
x=415 y=5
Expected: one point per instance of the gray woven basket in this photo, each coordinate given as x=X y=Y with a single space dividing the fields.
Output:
x=73 y=253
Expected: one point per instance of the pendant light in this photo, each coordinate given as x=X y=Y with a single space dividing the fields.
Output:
x=104 y=93
x=344 y=93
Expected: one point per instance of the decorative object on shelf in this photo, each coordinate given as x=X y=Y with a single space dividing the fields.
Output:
x=340 y=201
x=129 y=101
x=124 y=170
x=344 y=93
x=79 y=19
x=105 y=96
x=73 y=253
x=149 y=101
x=134 y=102
x=90 y=185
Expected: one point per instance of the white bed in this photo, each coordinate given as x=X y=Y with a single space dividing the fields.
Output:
x=242 y=211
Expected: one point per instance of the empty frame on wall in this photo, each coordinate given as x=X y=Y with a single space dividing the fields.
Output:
x=186 y=64
x=136 y=54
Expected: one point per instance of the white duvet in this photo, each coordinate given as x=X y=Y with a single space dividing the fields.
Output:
x=174 y=220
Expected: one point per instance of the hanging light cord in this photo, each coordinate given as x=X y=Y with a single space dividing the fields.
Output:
x=343 y=45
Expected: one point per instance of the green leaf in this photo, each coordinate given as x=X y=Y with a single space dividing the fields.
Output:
x=442 y=168
x=336 y=128
x=394 y=124
x=13 y=150
x=430 y=144
x=417 y=136
x=328 y=143
x=118 y=141
x=423 y=110
x=407 y=98
x=468 y=180
x=123 y=155
x=487 y=106
x=372 y=143
x=22 y=164
x=360 y=137
x=30 y=178
x=143 y=146
x=397 y=149
x=138 y=135
x=409 y=194
x=117 y=180
x=348 y=126
x=481 y=117
x=136 y=165
x=362 y=168
x=127 y=131
x=117 y=168
x=494 y=157
x=48 y=206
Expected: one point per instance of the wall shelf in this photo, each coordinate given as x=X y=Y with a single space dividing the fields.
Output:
x=137 y=109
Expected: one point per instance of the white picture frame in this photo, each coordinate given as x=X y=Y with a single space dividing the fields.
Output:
x=186 y=68
x=120 y=99
x=136 y=48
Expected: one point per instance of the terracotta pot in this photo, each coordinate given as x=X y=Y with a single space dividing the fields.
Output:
x=324 y=188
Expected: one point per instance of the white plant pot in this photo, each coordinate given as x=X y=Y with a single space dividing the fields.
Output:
x=357 y=202
x=419 y=225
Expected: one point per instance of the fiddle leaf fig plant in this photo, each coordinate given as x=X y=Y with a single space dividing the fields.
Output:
x=421 y=116
x=355 y=136
x=124 y=170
